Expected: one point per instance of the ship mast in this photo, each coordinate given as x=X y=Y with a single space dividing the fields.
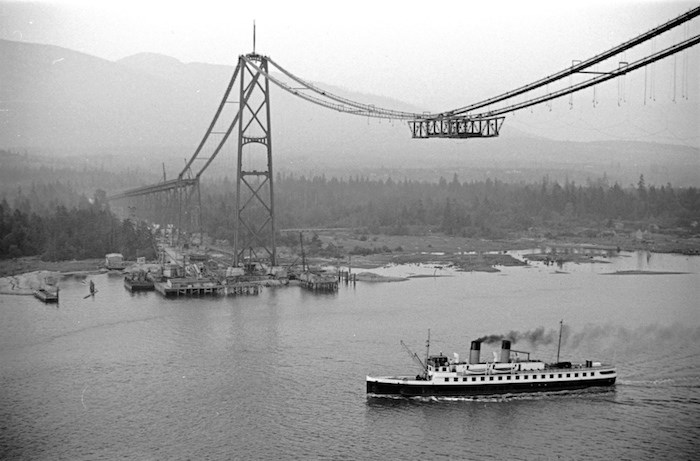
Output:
x=427 y=353
x=561 y=324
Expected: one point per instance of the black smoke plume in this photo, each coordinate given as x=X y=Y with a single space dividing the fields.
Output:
x=601 y=335
x=538 y=336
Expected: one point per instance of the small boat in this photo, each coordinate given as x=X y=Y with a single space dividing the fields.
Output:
x=47 y=295
x=444 y=376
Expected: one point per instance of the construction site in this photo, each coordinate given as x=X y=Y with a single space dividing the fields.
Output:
x=190 y=265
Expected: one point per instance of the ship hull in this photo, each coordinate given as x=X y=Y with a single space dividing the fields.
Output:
x=415 y=388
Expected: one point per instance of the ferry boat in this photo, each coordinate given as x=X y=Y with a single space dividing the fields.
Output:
x=505 y=374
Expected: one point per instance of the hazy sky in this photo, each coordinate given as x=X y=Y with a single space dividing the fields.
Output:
x=435 y=55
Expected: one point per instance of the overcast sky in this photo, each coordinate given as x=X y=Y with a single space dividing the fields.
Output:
x=435 y=55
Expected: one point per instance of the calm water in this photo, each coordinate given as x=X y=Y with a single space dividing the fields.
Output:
x=282 y=374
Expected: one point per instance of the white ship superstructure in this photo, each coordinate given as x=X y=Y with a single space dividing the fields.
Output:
x=504 y=374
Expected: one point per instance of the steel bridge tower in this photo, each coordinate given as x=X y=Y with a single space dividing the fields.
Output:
x=254 y=222
x=254 y=226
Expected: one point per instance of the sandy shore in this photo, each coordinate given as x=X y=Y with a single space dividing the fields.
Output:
x=25 y=284
x=372 y=277
x=21 y=276
x=16 y=266
x=635 y=272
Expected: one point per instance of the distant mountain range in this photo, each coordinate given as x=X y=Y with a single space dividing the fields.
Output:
x=156 y=109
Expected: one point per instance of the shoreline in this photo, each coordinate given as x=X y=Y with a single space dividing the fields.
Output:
x=21 y=276
x=26 y=264
x=465 y=254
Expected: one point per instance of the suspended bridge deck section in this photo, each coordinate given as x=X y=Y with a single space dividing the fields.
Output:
x=160 y=187
x=456 y=127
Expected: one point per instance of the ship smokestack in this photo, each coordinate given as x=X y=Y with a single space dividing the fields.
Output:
x=475 y=352
x=505 y=351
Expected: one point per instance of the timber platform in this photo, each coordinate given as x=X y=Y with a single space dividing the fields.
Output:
x=189 y=287
x=183 y=286
x=318 y=282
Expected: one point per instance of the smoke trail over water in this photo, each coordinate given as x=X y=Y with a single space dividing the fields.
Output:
x=598 y=334
x=643 y=335
x=538 y=336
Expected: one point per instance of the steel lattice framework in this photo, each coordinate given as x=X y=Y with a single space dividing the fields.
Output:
x=255 y=210
x=255 y=217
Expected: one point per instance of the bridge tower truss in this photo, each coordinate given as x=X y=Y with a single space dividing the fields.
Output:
x=175 y=203
x=254 y=221
x=254 y=224
x=189 y=208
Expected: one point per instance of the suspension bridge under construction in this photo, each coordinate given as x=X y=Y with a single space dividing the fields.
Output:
x=177 y=202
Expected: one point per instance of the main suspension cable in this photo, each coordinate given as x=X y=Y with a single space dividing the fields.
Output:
x=392 y=113
x=341 y=104
x=579 y=66
x=595 y=80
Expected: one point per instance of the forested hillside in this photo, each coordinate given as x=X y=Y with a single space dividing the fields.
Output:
x=86 y=231
x=47 y=211
x=487 y=209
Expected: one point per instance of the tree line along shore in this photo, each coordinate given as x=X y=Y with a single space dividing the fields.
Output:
x=384 y=220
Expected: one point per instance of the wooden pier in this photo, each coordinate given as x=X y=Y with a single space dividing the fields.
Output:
x=347 y=277
x=243 y=288
x=190 y=287
x=316 y=282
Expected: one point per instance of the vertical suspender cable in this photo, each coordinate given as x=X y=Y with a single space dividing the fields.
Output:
x=675 y=60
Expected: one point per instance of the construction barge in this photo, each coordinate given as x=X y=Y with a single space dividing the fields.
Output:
x=47 y=295
x=139 y=281
x=197 y=275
